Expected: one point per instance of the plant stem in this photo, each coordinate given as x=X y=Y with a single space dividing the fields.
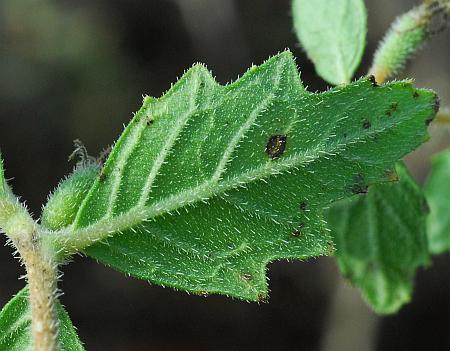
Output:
x=443 y=117
x=42 y=277
x=405 y=37
x=41 y=271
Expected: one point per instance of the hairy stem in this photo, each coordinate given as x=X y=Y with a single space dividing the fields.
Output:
x=443 y=117
x=406 y=36
x=41 y=271
x=42 y=277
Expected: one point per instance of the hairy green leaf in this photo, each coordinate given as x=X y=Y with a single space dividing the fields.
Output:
x=381 y=240
x=437 y=190
x=209 y=183
x=333 y=33
x=15 y=324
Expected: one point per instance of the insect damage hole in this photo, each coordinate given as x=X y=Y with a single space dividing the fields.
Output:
x=276 y=145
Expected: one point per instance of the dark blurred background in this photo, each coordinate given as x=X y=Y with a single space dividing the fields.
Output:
x=78 y=69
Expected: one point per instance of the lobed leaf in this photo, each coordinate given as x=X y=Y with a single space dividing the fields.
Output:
x=15 y=324
x=210 y=183
x=437 y=190
x=381 y=240
x=333 y=33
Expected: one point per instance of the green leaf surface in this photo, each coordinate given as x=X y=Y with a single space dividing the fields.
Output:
x=15 y=326
x=210 y=183
x=437 y=190
x=333 y=33
x=381 y=240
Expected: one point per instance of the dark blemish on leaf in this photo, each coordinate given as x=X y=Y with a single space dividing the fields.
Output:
x=359 y=186
x=102 y=175
x=246 y=277
x=393 y=108
x=415 y=94
x=424 y=206
x=303 y=205
x=298 y=231
x=391 y=175
x=276 y=146
x=373 y=81
x=202 y=85
x=345 y=135
x=366 y=124
x=428 y=121
x=149 y=120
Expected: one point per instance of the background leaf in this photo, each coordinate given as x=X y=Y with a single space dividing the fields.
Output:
x=15 y=324
x=380 y=240
x=437 y=190
x=333 y=33
x=209 y=183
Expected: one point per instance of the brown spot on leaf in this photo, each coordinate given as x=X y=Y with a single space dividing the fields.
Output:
x=102 y=175
x=359 y=186
x=415 y=94
x=275 y=146
x=366 y=124
x=303 y=205
x=246 y=277
x=298 y=231
x=392 y=108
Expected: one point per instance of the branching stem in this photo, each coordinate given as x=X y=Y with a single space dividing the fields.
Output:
x=41 y=271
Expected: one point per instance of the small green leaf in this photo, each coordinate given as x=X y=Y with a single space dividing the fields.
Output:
x=437 y=190
x=380 y=240
x=333 y=33
x=62 y=206
x=15 y=324
x=209 y=183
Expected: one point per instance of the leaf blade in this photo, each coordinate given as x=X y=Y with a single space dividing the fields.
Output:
x=333 y=34
x=215 y=216
x=437 y=190
x=381 y=240
x=15 y=323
